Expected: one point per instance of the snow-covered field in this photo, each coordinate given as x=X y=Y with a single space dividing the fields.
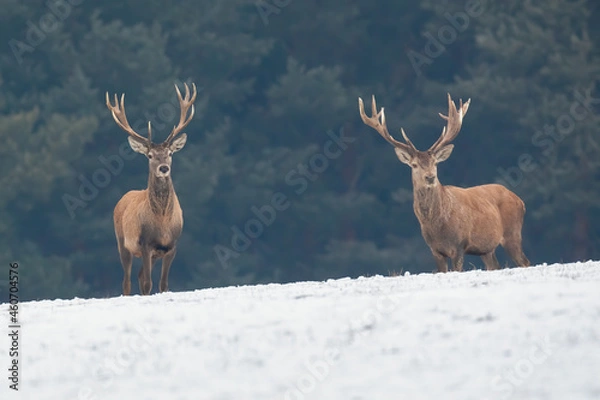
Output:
x=529 y=333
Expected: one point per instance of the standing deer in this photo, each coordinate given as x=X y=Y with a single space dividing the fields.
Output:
x=149 y=222
x=456 y=221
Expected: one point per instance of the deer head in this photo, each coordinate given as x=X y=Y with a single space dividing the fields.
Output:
x=159 y=154
x=422 y=163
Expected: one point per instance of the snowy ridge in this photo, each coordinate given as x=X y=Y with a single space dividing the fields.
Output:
x=522 y=333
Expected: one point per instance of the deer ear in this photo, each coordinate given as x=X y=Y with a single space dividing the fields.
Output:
x=178 y=143
x=443 y=153
x=138 y=146
x=403 y=155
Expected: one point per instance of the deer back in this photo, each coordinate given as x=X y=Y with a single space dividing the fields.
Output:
x=480 y=216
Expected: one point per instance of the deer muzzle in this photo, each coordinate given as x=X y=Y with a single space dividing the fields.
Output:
x=163 y=170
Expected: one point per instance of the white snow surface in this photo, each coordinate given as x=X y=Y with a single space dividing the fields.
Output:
x=519 y=333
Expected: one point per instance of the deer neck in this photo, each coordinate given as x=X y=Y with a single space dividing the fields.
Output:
x=430 y=202
x=161 y=195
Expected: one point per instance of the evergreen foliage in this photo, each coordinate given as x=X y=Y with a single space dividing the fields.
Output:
x=277 y=149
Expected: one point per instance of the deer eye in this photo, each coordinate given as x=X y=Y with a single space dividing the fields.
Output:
x=414 y=165
x=150 y=156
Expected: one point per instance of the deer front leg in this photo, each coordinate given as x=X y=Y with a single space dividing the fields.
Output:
x=490 y=261
x=145 y=275
x=458 y=260
x=440 y=262
x=166 y=266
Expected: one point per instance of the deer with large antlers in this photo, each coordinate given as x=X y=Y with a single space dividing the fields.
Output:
x=149 y=222
x=456 y=221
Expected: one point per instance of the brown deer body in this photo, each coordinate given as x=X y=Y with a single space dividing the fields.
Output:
x=456 y=221
x=149 y=222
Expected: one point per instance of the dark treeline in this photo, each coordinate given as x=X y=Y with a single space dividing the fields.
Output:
x=280 y=181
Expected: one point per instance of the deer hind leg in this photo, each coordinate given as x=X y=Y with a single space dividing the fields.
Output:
x=515 y=251
x=126 y=261
x=490 y=260
x=166 y=266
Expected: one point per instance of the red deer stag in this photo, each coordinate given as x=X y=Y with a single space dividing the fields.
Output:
x=148 y=222
x=456 y=221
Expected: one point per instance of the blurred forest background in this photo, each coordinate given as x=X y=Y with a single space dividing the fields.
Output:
x=277 y=112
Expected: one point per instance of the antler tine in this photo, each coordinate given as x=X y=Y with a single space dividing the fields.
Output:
x=377 y=122
x=374 y=107
x=406 y=139
x=185 y=103
x=120 y=117
x=454 y=122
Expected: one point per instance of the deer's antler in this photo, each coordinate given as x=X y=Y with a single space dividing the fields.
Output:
x=118 y=113
x=184 y=103
x=377 y=122
x=454 y=122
